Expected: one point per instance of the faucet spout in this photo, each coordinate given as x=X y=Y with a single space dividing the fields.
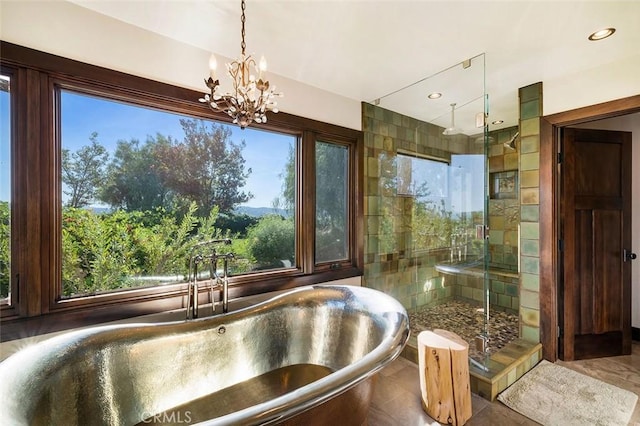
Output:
x=225 y=282
x=192 y=294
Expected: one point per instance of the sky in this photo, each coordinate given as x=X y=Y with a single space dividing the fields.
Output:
x=5 y=159
x=265 y=153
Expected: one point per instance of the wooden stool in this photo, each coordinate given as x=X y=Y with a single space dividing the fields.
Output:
x=443 y=358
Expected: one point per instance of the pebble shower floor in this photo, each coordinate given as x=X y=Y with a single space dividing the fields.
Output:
x=467 y=321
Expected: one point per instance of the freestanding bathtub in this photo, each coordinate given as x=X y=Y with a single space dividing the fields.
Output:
x=306 y=357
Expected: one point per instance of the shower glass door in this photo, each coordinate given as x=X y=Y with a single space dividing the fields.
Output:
x=426 y=202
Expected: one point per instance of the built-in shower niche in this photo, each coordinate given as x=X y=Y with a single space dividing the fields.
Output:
x=503 y=185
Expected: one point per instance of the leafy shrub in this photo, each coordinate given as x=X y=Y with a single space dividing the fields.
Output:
x=271 y=241
x=111 y=251
x=97 y=251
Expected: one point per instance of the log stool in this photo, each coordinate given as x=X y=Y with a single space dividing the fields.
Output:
x=444 y=376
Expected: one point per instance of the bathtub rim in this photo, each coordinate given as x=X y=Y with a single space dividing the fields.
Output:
x=280 y=408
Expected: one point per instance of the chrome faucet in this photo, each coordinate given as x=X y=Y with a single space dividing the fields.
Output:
x=225 y=284
x=215 y=281
x=192 y=293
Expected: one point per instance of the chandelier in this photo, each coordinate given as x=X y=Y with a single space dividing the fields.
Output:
x=250 y=99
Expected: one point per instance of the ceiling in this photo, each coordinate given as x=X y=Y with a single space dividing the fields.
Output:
x=368 y=49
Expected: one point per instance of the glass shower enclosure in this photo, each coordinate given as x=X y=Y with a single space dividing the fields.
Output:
x=426 y=203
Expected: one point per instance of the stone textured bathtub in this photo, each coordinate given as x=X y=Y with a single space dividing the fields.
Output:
x=305 y=357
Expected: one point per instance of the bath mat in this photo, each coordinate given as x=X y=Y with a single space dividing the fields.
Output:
x=555 y=395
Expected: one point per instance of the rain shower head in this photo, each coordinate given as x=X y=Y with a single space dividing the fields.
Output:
x=453 y=130
x=512 y=142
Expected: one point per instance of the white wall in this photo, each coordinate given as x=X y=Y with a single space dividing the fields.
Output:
x=630 y=123
x=74 y=32
x=588 y=87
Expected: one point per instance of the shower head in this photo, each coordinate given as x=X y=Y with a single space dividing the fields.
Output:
x=512 y=142
x=452 y=130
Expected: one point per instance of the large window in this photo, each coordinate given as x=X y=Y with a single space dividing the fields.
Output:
x=141 y=187
x=119 y=177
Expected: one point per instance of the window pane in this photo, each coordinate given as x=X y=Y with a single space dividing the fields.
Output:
x=447 y=201
x=140 y=187
x=331 y=202
x=5 y=190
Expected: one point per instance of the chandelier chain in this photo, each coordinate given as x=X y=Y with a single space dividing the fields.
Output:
x=243 y=45
x=251 y=95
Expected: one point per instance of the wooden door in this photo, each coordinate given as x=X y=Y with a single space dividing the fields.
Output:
x=595 y=234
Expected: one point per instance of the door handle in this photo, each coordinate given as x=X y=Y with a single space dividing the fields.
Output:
x=627 y=255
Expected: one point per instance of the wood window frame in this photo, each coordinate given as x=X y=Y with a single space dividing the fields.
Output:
x=36 y=204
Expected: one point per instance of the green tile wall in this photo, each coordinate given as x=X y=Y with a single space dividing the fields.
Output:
x=530 y=99
x=391 y=265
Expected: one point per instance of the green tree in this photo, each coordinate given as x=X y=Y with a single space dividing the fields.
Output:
x=331 y=183
x=83 y=172
x=331 y=173
x=237 y=224
x=331 y=201
x=133 y=181
x=206 y=167
x=288 y=176
x=432 y=225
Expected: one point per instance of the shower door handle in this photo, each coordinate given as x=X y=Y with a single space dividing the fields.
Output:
x=627 y=255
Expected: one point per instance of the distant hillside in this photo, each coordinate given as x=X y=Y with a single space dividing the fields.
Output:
x=249 y=211
x=99 y=210
x=260 y=211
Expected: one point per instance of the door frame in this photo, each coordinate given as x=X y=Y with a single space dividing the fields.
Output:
x=550 y=127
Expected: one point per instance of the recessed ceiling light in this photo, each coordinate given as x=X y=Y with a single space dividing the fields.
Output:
x=602 y=34
x=497 y=122
x=434 y=95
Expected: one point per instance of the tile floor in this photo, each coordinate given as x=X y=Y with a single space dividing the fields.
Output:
x=396 y=399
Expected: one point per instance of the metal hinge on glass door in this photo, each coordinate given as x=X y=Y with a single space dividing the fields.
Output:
x=482 y=232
